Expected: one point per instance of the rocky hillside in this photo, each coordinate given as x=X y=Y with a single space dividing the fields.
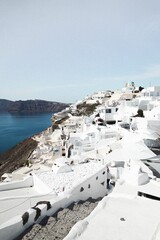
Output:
x=31 y=106
x=86 y=109
x=17 y=156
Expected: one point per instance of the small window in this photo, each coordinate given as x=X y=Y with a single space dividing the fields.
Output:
x=108 y=110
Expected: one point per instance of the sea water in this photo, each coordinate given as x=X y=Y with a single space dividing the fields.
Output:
x=16 y=127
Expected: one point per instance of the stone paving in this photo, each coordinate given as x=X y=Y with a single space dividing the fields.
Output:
x=59 y=225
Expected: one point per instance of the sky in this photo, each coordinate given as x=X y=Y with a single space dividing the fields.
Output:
x=63 y=50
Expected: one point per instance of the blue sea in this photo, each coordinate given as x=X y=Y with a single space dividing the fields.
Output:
x=16 y=127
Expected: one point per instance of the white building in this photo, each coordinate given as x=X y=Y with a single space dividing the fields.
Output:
x=129 y=87
x=97 y=97
x=153 y=91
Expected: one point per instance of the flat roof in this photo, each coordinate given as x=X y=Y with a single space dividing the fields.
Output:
x=120 y=218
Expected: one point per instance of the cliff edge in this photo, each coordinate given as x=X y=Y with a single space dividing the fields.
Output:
x=31 y=106
x=17 y=156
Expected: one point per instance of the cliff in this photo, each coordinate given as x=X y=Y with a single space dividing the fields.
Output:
x=31 y=106
x=17 y=156
x=4 y=105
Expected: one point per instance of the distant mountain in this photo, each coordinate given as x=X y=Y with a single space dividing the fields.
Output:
x=31 y=106
x=4 y=105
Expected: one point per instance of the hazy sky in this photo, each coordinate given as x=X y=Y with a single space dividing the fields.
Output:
x=62 y=50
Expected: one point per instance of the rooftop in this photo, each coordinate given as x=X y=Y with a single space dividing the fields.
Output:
x=120 y=218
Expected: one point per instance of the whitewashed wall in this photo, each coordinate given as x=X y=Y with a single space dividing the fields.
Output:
x=27 y=182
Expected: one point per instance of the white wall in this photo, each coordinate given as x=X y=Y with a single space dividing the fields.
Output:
x=91 y=187
x=27 y=182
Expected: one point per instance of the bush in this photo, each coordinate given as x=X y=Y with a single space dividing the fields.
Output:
x=86 y=109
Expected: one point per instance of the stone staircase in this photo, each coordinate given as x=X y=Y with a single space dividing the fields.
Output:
x=58 y=226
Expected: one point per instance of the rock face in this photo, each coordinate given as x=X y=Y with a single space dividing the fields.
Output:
x=86 y=109
x=17 y=156
x=31 y=106
x=4 y=105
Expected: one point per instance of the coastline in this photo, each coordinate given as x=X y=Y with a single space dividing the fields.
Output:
x=15 y=128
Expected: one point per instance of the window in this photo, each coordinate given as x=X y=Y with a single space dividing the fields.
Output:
x=108 y=110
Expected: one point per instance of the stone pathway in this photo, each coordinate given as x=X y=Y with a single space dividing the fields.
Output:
x=59 y=225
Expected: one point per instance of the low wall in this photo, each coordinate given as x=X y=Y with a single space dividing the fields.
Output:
x=27 y=182
x=17 y=205
x=94 y=187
